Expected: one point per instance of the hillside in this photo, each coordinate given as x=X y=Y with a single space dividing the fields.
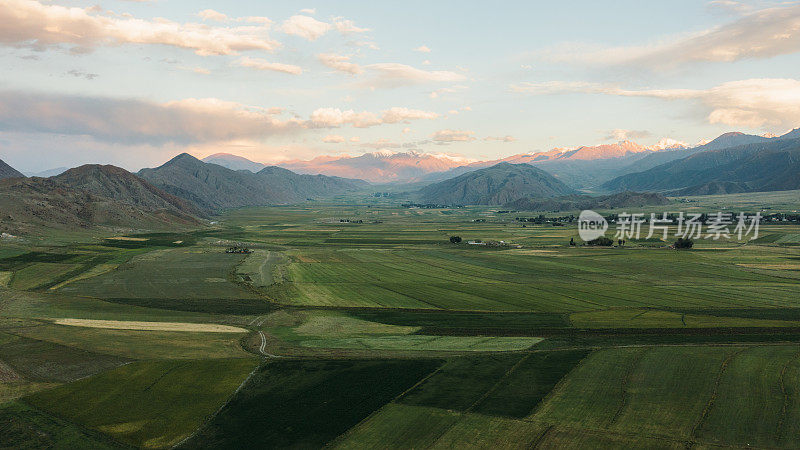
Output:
x=496 y=185
x=120 y=185
x=302 y=185
x=233 y=162
x=579 y=202
x=30 y=205
x=213 y=187
x=765 y=166
x=7 y=171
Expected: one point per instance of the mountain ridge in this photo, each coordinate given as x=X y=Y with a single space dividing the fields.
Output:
x=87 y=197
x=761 y=166
x=495 y=185
x=213 y=187
x=7 y=171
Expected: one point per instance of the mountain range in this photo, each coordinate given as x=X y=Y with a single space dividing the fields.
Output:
x=496 y=185
x=377 y=167
x=213 y=187
x=770 y=165
x=584 y=167
x=185 y=189
x=93 y=195
x=88 y=196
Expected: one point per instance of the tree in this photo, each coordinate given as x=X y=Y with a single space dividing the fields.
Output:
x=455 y=239
x=602 y=240
x=684 y=243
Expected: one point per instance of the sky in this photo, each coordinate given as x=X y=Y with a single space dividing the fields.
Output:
x=134 y=83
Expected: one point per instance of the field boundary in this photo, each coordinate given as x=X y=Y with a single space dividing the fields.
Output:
x=713 y=398
x=785 y=407
x=344 y=435
x=210 y=417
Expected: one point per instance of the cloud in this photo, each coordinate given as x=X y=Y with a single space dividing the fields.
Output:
x=192 y=120
x=760 y=34
x=333 y=139
x=308 y=10
x=380 y=144
x=406 y=130
x=586 y=87
x=210 y=14
x=262 y=64
x=396 y=74
x=626 y=135
x=423 y=49
x=365 y=44
x=138 y=121
x=752 y=103
x=82 y=74
x=355 y=139
x=446 y=90
x=306 y=27
x=340 y=63
x=398 y=114
x=335 y=117
x=729 y=6
x=346 y=26
x=29 y=23
x=500 y=138
x=201 y=70
x=453 y=136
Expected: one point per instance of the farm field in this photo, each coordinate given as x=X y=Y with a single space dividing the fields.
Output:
x=382 y=333
x=147 y=404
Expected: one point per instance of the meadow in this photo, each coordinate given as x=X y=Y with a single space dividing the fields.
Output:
x=356 y=322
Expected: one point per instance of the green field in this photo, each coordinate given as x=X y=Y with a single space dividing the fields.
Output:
x=147 y=404
x=192 y=273
x=384 y=334
x=307 y=403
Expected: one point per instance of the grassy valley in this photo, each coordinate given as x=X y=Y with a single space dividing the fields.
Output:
x=358 y=323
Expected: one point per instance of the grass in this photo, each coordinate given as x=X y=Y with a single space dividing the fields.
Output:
x=39 y=274
x=307 y=403
x=461 y=382
x=258 y=267
x=140 y=344
x=428 y=343
x=711 y=395
x=24 y=427
x=652 y=318
x=191 y=273
x=644 y=347
x=228 y=306
x=150 y=404
x=523 y=388
x=480 y=431
x=398 y=425
x=567 y=281
x=751 y=397
x=49 y=305
x=42 y=361
x=451 y=320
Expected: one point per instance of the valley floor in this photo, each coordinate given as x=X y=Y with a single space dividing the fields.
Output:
x=384 y=334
